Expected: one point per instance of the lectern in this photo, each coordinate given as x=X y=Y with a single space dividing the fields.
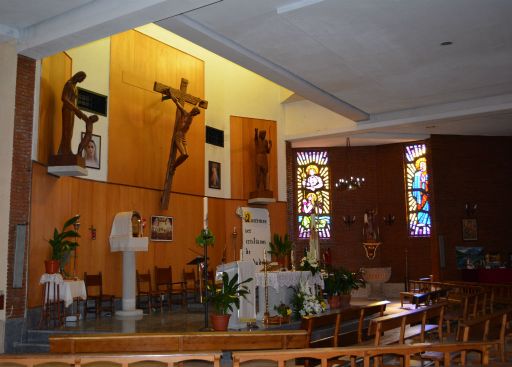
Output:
x=123 y=237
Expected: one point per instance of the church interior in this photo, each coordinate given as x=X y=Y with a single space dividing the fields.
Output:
x=180 y=91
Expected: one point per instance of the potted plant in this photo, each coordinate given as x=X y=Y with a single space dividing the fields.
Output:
x=339 y=285
x=281 y=247
x=62 y=245
x=223 y=297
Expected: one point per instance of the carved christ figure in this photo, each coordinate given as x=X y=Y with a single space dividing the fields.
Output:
x=263 y=147
x=183 y=122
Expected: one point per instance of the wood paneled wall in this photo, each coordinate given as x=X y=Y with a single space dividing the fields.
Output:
x=56 y=199
x=55 y=71
x=140 y=124
x=243 y=154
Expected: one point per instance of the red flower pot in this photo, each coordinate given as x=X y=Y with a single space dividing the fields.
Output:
x=220 y=322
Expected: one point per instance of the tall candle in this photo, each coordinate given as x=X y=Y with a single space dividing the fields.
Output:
x=205 y=213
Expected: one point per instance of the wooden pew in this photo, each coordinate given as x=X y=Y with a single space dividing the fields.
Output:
x=178 y=342
x=121 y=359
x=396 y=328
x=368 y=312
x=367 y=355
x=334 y=328
x=488 y=327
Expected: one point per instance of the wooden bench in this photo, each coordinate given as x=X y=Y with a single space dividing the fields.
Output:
x=178 y=342
x=121 y=359
x=396 y=328
x=336 y=328
x=488 y=327
x=367 y=355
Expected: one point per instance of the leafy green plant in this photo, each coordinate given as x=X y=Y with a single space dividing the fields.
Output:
x=224 y=297
x=60 y=243
x=280 y=246
x=205 y=238
x=342 y=281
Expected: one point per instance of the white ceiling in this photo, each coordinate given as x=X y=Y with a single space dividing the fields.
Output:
x=378 y=62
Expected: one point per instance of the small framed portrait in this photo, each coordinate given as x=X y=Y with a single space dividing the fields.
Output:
x=92 y=152
x=469 y=230
x=161 y=228
x=214 y=175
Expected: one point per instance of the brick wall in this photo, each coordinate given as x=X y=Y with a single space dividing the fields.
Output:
x=474 y=169
x=21 y=175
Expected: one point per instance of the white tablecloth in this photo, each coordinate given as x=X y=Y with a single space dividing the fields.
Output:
x=280 y=285
x=69 y=289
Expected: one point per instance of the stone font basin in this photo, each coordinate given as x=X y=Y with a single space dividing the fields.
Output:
x=376 y=277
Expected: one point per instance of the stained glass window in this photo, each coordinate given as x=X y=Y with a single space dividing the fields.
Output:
x=313 y=193
x=418 y=197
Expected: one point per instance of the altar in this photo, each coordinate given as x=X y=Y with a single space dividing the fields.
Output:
x=280 y=289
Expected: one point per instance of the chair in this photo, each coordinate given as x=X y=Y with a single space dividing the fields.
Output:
x=100 y=301
x=145 y=290
x=190 y=284
x=164 y=283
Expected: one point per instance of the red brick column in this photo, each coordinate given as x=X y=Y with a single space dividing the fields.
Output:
x=21 y=176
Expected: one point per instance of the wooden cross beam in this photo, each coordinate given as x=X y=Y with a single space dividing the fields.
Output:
x=179 y=94
x=181 y=97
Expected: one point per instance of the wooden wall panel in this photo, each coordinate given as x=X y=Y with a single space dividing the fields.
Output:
x=55 y=71
x=140 y=125
x=56 y=199
x=243 y=166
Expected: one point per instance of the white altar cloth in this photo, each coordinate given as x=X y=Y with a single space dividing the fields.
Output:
x=69 y=289
x=280 y=285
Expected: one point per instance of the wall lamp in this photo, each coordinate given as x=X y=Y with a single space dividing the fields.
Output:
x=389 y=219
x=470 y=209
x=349 y=219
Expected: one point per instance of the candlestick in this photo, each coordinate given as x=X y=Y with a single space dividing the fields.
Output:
x=205 y=213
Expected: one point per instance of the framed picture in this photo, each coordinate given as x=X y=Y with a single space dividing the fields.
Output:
x=469 y=230
x=214 y=175
x=161 y=228
x=469 y=257
x=92 y=152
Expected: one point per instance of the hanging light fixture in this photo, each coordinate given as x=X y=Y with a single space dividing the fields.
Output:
x=350 y=182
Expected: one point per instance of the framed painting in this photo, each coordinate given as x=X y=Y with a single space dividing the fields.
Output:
x=92 y=152
x=161 y=228
x=214 y=175
x=469 y=229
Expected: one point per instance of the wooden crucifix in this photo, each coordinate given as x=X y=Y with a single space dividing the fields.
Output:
x=182 y=123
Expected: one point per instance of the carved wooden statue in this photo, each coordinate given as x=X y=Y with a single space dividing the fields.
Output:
x=263 y=147
x=65 y=155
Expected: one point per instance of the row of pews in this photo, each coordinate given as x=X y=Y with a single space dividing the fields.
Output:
x=366 y=356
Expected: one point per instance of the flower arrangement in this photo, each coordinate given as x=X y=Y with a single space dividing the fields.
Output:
x=283 y=310
x=305 y=302
x=309 y=263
